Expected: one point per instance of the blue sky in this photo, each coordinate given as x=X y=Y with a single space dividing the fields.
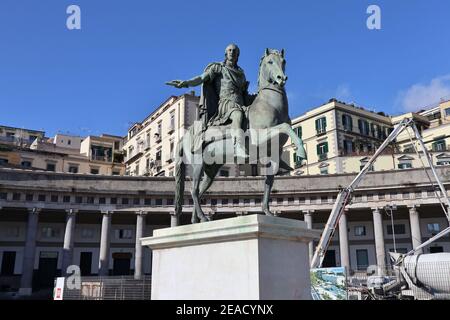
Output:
x=111 y=73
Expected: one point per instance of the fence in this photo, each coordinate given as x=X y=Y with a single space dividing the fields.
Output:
x=110 y=288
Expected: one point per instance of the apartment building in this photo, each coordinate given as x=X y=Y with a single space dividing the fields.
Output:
x=341 y=138
x=18 y=136
x=150 y=145
x=67 y=153
x=334 y=131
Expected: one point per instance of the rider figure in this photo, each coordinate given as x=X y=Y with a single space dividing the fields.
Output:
x=226 y=81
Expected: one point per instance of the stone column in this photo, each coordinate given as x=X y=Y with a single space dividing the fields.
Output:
x=415 y=227
x=174 y=220
x=26 y=281
x=67 y=258
x=103 y=264
x=343 y=241
x=379 y=240
x=308 y=220
x=138 y=256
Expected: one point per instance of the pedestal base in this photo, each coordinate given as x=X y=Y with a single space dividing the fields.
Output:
x=244 y=258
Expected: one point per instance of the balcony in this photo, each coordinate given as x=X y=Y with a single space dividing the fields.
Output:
x=323 y=156
x=298 y=164
x=321 y=131
x=171 y=128
x=132 y=157
x=101 y=158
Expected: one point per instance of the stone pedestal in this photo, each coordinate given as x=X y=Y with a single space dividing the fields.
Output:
x=254 y=257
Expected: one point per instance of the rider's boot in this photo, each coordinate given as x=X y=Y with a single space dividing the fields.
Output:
x=239 y=145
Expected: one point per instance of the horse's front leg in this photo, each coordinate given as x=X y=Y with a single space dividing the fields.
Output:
x=267 y=189
x=286 y=129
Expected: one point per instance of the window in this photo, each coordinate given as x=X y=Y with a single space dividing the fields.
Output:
x=158 y=155
x=94 y=171
x=235 y=201
x=447 y=112
x=321 y=125
x=347 y=122
x=147 y=201
x=443 y=163
x=363 y=164
x=54 y=198
x=436 y=249
x=51 y=167
x=360 y=231
x=363 y=127
x=439 y=145
x=3 y=161
x=172 y=121
x=124 y=200
x=405 y=165
x=87 y=233
x=49 y=232
x=113 y=201
x=433 y=228
x=362 y=259
x=116 y=173
x=158 y=202
x=26 y=164
x=66 y=199
x=324 y=171
x=69 y=142
x=298 y=132
x=78 y=199
x=224 y=202
x=322 y=150
x=29 y=197
x=224 y=173
x=90 y=200
x=349 y=146
x=16 y=196
x=3 y=195
x=41 y=197
x=159 y=128
x=297 y=160
x=73 y=169
x=136 y=201
x=398 y=229
x=124 y=234
x=8 y=263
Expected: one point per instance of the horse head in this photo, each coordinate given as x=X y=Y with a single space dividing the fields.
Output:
x=272 y=68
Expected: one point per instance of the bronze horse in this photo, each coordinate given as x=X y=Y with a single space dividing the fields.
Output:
x=268 y=119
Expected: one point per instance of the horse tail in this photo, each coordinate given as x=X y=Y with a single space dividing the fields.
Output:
x=180 y=175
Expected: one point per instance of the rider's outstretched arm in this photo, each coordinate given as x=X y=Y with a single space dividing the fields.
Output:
x=191 y=82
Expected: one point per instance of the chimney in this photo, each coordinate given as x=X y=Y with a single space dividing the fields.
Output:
x=193 y=93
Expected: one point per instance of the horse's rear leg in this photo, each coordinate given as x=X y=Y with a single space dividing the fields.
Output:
x=196 y=179
x=208 y=178
x=267 y=189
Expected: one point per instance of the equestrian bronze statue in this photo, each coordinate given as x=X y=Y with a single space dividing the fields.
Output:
x=228 y=115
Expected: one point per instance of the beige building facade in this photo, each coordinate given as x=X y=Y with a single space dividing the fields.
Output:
x=341 y=138
x=150 y=145
x=68 y=154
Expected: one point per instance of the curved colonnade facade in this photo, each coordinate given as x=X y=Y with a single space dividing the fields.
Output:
x=49 y=221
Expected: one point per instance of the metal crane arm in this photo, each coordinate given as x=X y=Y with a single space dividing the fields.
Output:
x=345 y=195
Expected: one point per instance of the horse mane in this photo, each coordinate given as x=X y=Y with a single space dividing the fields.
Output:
x=271 y=51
